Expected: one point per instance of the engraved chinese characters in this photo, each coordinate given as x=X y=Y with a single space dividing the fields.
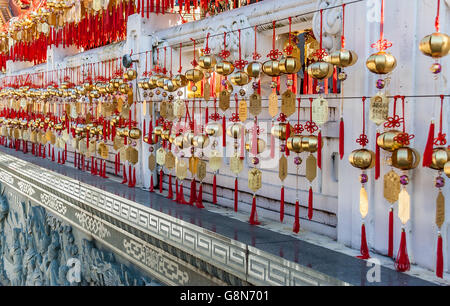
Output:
x=379 y=108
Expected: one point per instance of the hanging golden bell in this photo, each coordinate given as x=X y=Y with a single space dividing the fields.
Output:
x=180 y=80
x=342 y=58
x=165 y=134
x=254 y=69
x=381 y=62
x=158 y=130
x=405 y=158
x=172 y=137
x=435 y=45
x=294 y=143
x=134 y=133
x=439 y=158
x=152 y=81
x=387 y=142
x=87 y=86
x=124 y=88
x=320 y=70
x=200 y=141
x=160 y=81
x=261 y=146
x=213 y=129
x=290 y=65
x=447 y=169
x=188 y=138
x=271 y=68
x=207 y=61
x=224 y=68
x=234 y=130
x=310 y=143
x=279 y=130
x=362 y=159
x=152 y=140
x=131 y=74
x=169 y=85
x=194 y=75
x=240 y=78
x=180 y=142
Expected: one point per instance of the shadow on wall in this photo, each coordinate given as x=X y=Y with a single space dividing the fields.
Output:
x=38 y=249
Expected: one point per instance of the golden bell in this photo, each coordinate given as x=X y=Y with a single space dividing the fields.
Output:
x=279 y=130
x=362 y=159
x=213 y=129
x=153 y=138
x=405 y=158
x=165 y=134
x=180 y=142
x=172 y=137
x=180 y=80
x=439 y=158
x=386 y=141
x=188 y=138
x=160 y=81
x=152 y=81
x=289 y=65
x=94 y=94
x=381 y=62
x=261 y=146
x=254 y=69
x=234 y=130
x=447 y=169
x=169 y=85
x=124 y=88
x=294 y=143
x=224 y=68
x=200 y=141
x=320 y=70
x=131 y=74
x=240 y=78
x=310 y=143
x=207 y=61
x=435 y=45
x=194 y=75
x=87 y=86
x=271 y=68
x=134 y=133
x=342 y=58
x=158 y=130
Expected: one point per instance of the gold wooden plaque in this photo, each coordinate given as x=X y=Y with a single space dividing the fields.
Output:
x=169 y=111
x=118 y=143
x=65 y=136
x=160 y=156
x=311 y=168
x=215 y=160
x=206 y=91
x=254 y=179
x=132 y=155
x=125 y=113
x=123 y=153
x=391 y=182
x=119 y=105
x=152 y=162
x=82 y=148
x=224 y=100
x=255 y=104
x=103 y=150
x=193 y=162
x=92 y=146
x=181 y=169
x=179 y=109
x=48 y=135
x=379 y=108
x=201 y=170
x=144 y=108
x=242 y=110
x=320 y=111
x=163 y=109
x=440 y=209
x=150 y=107
x=169 y=160
x=33 y=136
x=236 y=164
x=282 y=168
x=53 y=139
x=288 y=103
x=273 y=104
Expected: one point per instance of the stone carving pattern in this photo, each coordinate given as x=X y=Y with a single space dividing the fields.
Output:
x=5 y=176
x=332 y=24
x=93 y=225
x=26 y=188
x=53 y=203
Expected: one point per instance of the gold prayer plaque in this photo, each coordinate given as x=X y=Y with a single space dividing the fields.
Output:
x=132 y=155
x=118 y=143
x=273 y=104
x=288 y=103
x=236 y=164
x=379 y=108
x=123 y=153
x=163 y=109
x=160 y=156
x=206 y=91
x=254 y=179
x=193 y=162
x=215 y=160
x=255 y=104
x=169 y=111
x=103 y=150
x=179 y=109
x=169 y=160
x=224 y=100
x=151 y=162
x=201 y=170
x=181 y=169
x=440 y=209
x=391 y=182
x=320 y=111
x=242 y=110
x=282 y=168
x=311 y=168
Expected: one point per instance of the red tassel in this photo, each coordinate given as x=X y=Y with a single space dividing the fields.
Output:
x=192 y=197
x=115 y=164
x=235 y=194
x=377 y=159
x=282 y=204
x=199 y=200
x=130 y=180
x=206 y=114
x=224 y=131
x=177 y=196
x=170 y=195
x=439 y=258
x=161 y=173
x=364 y=249
x=124 y=175
x=341 y=138
x=428 y=153
x=59 y=157
x=391 y=233
x=402 y=262
x=152 y=187
x=296 y=227
x=319 y=150
x=253 y=214
x=104 y=173
x=310 y=204
x=181 y=193
x=214 y=190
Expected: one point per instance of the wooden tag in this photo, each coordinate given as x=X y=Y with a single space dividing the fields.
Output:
x=169 y=160
x=160 y=156
x=103 y=150
x=236 y=164
x=255 y=104
x=440 y=209
x=119 y=104
x=151 y=162
x=144 y=108
x=163 y=109
x=254 y=179
x=282 y=168
x=320 y=111
x=273 y=104
x=193 y=162
x=311 y=168
x=288 y=103
x=224 y=100
x=206 y=91
x=82 y=148
x=179 y=109
x=215 y=160
x=181 y=169
x=379 y=108
x=169 y=111
x=118 y=143
x=242 y=110
x=391 y=182
x=201 y=170
x=132 y=155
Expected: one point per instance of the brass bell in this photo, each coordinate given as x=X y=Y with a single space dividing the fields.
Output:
x=224 y=68
x=362 y=159
x=320 y=70
x=131 y=74
x=194 y=75
x=207 y=61
x=172 y=137
x=169 y=85
x=165 y=134
x=240 y=78
x=158 y=130
x=213 y=129
x=447 y=169
x=261 y=146
x=405 y=158
x=439 y=158
x=279 y=130
x=180 y=80
x=289 y=65
x=180 y=142
x=152 y=81
x=254 y=69
x=381 y=62
x=87 y=86
x=160 y=81
x=294 y=143
x=271 y=68
x=435 y=45
x=342 y=58
x=188 y=138
x=134 y=133
x=386 y=141
x=234 y=130
x=200 y=141
x=310 y=143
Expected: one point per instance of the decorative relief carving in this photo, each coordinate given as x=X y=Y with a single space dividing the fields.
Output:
x=53 y=203
x=92 y=225
x=26 y=188
x=6 y=177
